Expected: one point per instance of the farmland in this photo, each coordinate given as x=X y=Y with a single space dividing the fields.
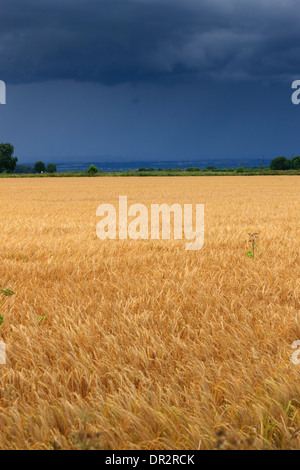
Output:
x=123 y=344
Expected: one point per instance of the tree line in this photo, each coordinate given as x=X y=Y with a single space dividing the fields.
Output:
x=8 y=164
x=282 y=163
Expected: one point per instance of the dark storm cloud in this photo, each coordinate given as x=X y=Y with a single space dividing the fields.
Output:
x=115 y=41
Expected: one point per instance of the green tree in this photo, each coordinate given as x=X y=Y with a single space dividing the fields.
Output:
x=92 y=170
x=193 y=169
x=7 y=161
x=240 y=169
x=296 y=163
x=21 y=169
x=51 y=168
x=39 y=167
x=280 y=163
x=211 y=167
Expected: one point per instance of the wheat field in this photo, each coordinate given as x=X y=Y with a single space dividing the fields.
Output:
x=119 y=344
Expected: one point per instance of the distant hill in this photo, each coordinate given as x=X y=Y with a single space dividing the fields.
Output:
x=135 y=165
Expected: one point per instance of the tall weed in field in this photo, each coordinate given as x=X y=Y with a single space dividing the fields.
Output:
x=4 y=293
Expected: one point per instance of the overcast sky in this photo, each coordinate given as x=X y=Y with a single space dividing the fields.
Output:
x=150 y=79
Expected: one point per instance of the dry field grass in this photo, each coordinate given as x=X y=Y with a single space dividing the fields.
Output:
x=146 y=345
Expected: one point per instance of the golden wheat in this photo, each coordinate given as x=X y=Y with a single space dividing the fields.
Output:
x=141 y=344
